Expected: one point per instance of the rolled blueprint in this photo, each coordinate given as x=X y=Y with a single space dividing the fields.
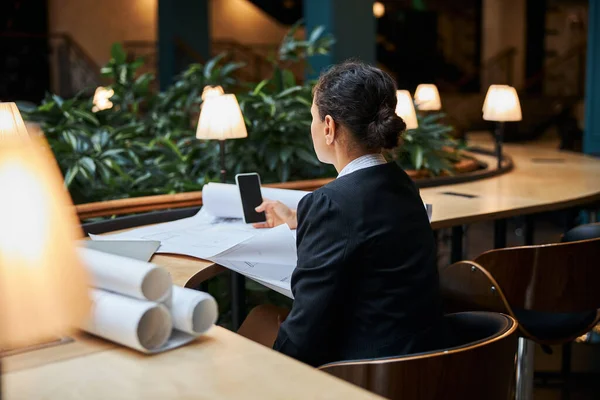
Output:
x=193 y=312
x=141 y=325
x=126 y=276
x=223 y=200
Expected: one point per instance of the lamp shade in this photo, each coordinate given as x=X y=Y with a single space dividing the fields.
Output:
x=427 y=97
x=210 y=91
x=502 y=104
x=405 y=108
x=11 y=123
x=102 y=97
x=221 y=118
x=43 y=286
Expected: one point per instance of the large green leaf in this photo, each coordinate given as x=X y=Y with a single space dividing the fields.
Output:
x=118 y=53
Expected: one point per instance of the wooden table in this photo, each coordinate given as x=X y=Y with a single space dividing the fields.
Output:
x=219 y=365
x=543 y=179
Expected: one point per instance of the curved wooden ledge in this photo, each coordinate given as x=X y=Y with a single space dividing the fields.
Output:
x=194 y=199
x=167 y=201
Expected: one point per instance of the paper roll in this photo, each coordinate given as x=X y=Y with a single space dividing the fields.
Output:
x=138 y=279
x=223 y=200
x=193 y=312
x=141 y=325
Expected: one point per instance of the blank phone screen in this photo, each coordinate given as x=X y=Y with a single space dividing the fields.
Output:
x=249 y=186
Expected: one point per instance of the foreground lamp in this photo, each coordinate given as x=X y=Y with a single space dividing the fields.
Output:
x=405 y=108
x=427 y=97
x=211 y=91
x=501 y=105
x=43 y=286
x=221 y=119
x=102 y=99
x=11 y=123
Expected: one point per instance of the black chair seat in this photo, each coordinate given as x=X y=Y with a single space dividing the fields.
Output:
x=554 y=326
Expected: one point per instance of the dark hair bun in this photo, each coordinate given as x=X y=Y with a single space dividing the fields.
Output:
x=362 y=99
x=384 y=131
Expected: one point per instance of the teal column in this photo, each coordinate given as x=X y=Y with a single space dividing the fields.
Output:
x=352 y=24
x=591 y=135
x=183 y=36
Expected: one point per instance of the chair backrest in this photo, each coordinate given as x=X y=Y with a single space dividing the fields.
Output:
x=558 y=278
x=133 y=221
x=482 y=367
x=582 y=232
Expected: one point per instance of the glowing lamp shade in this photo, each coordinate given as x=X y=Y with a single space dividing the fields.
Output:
x=102 y=99
x=378 y=9
x=406 y=109
x=11 y=123
x=43 y=286
x=221 y=118
x=427 y=97
x=211 y=91
x=502 y=104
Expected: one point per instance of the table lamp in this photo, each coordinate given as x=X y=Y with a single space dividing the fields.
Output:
x=43 y=286
x=102 y=97
x=405 y=108
x=501 y=105
x=221 y=119
x=11 y=123
x=427 y=97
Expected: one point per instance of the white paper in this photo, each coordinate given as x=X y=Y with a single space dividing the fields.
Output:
x=127 y=276
x=223 y=200
x=215 y=229
x=141 y=325
x=201 y=236
x=147 y=326
x=269 y=258
x=429 y=209
x=193 y=312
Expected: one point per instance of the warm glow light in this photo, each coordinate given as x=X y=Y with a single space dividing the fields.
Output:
x=427 y=97
x=221 y=118
x=11 y=123
x=378 y=9
x=406 y=109
x=502 y=104
x=102 y=99
x=43 y=287
x=210 y=91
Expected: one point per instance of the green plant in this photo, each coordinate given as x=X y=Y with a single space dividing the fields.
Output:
x=278 y=118
x=143 y=145
x=429 y=147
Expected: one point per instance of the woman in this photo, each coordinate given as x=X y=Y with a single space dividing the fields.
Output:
x=366 y=282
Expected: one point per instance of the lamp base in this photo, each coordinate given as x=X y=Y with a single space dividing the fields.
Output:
x=237 y=282
x=499 y=137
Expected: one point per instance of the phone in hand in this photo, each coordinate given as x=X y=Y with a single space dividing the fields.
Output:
x=249 y=187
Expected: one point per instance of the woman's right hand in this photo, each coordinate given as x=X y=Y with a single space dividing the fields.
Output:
x=277 y=214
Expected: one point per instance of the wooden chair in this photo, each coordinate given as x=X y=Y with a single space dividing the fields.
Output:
x=581 y=232
x=551 y=290
x=478 y=365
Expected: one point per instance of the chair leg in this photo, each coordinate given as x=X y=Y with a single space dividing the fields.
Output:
x=525 y=370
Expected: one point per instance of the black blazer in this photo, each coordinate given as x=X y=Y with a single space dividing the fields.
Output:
x=366 y=283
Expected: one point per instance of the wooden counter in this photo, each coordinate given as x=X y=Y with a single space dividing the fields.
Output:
x=219 y=365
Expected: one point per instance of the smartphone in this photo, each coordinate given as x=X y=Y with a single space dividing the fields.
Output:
x=249 y=187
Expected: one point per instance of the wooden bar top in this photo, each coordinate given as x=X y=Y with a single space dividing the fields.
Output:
x=219 y=365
